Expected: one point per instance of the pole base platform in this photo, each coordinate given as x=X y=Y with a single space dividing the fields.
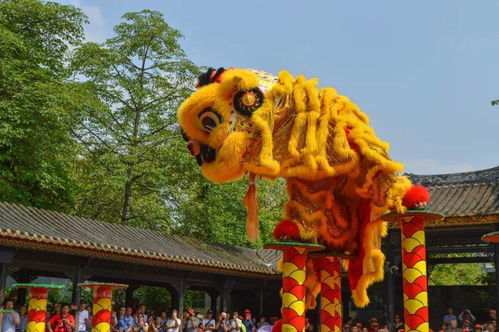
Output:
x=281 y=245
x=426 y=215
x=37 y=286
x=491 y=237
x=100 y=284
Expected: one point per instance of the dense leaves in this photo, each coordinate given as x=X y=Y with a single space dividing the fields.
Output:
x=138 y=78
x=135 y=168
x=458 y=274
x=36 y=147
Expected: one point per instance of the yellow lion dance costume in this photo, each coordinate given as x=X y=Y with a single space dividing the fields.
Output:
x=340 y=179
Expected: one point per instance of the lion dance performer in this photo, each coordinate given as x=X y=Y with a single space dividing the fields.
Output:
x=340 y=179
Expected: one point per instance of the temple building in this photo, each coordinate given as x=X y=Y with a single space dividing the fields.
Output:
x=36 y=242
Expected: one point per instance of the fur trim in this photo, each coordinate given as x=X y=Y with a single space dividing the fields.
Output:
x=417 y=197
x=286 y=230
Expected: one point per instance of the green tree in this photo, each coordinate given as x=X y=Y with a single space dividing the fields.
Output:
x=36 y=148
x=216 y=212
x=156 y=299
x=135 y=168
x=457 y=274
x=129 y=131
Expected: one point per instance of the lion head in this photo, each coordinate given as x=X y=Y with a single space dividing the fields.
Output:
x=216 y=119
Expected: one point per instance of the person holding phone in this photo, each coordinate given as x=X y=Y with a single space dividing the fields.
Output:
x=248 y=322
x=141 y=325
x=221 y=323
x=191 y=323
x=234 y=324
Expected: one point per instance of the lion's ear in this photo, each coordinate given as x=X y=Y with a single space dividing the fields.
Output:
x=210 y=76
x=234 y=80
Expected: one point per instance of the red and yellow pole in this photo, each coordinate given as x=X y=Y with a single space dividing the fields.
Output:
x=37 y=305
x=293 y=278
x=494 y=238
x=415 y=280
x=102 y=304
x=330 y=274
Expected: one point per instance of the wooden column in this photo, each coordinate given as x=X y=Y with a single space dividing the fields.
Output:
x=6 y=256
x=226 y=305
x=3 y=278
x=213 y=294
x=129 y=294
x=227 y=288
x=181 y=293
x=496 y=265
x=260 y=300
x=76 y=293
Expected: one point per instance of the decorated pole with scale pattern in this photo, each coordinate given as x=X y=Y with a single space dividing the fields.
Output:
x=293 y=278
x=37 y=305
x=102 y=305
x=330 y=274
x=415 y=281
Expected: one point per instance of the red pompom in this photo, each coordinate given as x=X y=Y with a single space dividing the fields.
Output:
x=286 y=230
x=277 y=326
x=416 y=197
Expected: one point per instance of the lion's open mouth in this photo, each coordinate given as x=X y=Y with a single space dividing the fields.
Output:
x=203 y=153
x=208 y=154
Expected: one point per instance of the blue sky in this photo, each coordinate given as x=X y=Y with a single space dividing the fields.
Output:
x=424 y=71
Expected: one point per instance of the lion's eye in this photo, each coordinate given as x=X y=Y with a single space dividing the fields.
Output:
x=209 y=119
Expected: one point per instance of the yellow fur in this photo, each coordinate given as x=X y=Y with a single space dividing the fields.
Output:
x=322 y=143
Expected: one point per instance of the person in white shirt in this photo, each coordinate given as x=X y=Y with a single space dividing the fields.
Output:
x=234 y=324
x=173 y=324
x=83 y=318
x=9 y=320
x=209 y=322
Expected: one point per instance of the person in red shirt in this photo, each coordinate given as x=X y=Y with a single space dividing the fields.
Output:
x=63 y=322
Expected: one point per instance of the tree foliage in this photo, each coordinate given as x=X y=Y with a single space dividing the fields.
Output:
x=94 y=131
x=138 y=78
x=135 y=168
x=36 y=147
x=458 y=274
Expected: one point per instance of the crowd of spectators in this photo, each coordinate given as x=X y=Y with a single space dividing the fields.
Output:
x=63 y=318
x=464 y=322
x=66 y=318
x=467 y=322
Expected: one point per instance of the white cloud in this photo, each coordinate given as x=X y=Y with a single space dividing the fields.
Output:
x=93 y=30
x=430 y=166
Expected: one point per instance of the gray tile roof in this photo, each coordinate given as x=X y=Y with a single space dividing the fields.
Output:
x=40 y=225
x=462 y=194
